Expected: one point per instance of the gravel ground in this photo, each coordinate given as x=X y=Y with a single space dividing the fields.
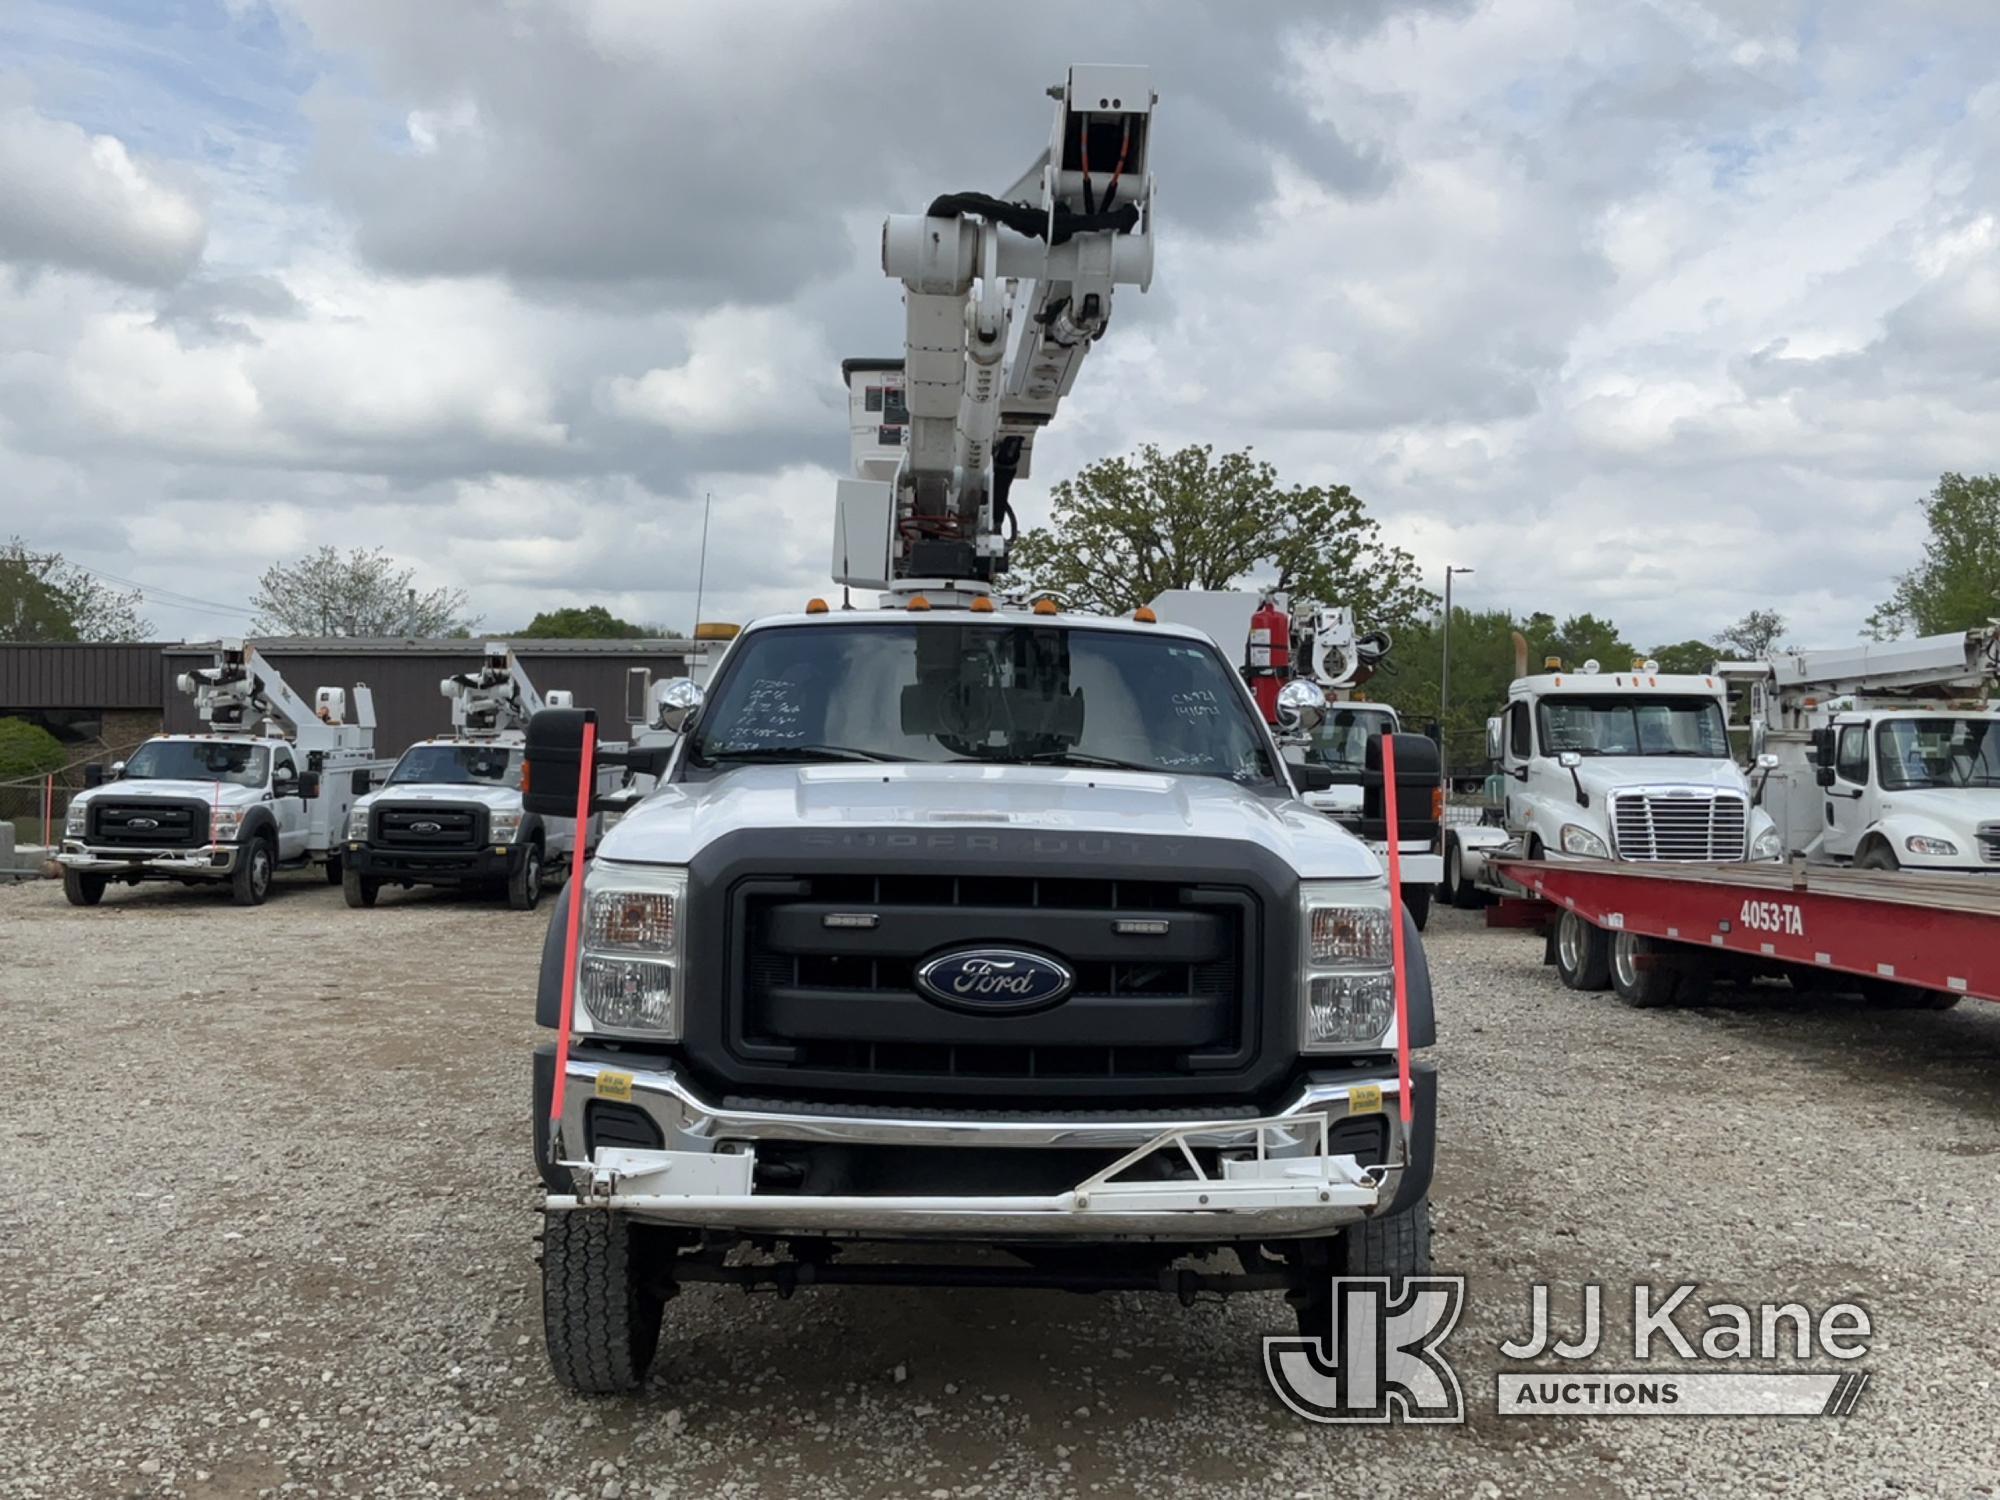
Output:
x=268 y=1218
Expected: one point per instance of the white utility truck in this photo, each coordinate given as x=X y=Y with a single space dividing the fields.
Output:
x=451 y=812
x=1627 y=764
x=1887 y=755
x=966 y=921
x=267 y=787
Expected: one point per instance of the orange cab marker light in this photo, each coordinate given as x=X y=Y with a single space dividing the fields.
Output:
x=1144 y=615
x=815 y=606
x=982 y=605
x=919 y=602
x=1046 y=607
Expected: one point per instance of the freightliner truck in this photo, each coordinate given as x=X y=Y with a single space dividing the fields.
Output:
x=965 y=921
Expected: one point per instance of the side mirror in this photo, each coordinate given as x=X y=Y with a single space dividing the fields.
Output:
x=1496 y=740
x=117 y=770
x=309 y=785
x=1823 y=748
x=93 y=775
x=1569 y=760
x=1311 y=776
x=359 y=784
x=1767 y=762
x=553 y=761
x=1759 y=737
x=1824 y=775
x=284 y=777
x=1301 y=706
x=675 y=702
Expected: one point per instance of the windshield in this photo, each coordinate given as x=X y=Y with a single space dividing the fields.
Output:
x=1914 y=753
x=1341 y=741
x=1624 y=724
x=199 y=760
x=459 y=765
x=998 y=694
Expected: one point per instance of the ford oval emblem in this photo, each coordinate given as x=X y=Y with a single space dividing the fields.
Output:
x=427 y=828
x=995 y=979
x=142 y=823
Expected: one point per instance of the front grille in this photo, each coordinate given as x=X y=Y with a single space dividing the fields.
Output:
x=843 y=1002
x=1678 y=825
x=443 y=827
x=1989 y=843
x=149 y=824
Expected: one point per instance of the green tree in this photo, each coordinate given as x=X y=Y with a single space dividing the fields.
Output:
x=28 y=750
x=1753 y=637
x=1124 y=530
x=1482 y=664
x=364 y=593
x=1693 y=657
x=591 y=622
x=1957 y=585
x=1578 y=639
x=44 y=598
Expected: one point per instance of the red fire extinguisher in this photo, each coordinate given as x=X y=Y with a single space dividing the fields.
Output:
x=1270 y=656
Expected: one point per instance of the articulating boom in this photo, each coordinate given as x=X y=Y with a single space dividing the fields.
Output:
x=496 y=698
x=961 y=409
x=244 y=694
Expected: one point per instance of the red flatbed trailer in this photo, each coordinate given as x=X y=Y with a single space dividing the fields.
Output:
x=1937 y=933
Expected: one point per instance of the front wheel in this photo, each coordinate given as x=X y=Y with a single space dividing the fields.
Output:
x=524 y=886
x=1878 y=857
x=1583 y=953
x=1458 y=892
x=359 y=889
x=250 y=881
x=1417 y=902
x=600 y=1313
x=81 y=889
x=1395 y=1245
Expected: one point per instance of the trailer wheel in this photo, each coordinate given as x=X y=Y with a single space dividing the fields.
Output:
x=81 y=889
x=600 y=1317
x=1887 y=994
x=1395 y=1246
x=1583 y=953
x=524 y=886
x=1417 y=902
x=359 y=889
x=1647 y=973
x=250 y=881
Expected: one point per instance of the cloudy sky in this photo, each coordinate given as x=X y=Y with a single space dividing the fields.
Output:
x=1665 y=309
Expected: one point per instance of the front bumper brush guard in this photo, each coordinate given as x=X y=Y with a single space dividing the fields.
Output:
x=665 y=1181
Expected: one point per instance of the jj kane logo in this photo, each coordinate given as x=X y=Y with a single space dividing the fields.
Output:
x=1379 y=1360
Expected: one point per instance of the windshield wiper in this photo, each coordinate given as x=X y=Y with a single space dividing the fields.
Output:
x=774 y=753
x=1081 y=758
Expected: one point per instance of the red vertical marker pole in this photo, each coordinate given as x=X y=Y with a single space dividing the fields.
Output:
x=586 y=780
x=48 y=812
x=1399 y=957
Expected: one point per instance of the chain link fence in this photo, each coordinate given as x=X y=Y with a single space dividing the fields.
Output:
x=36 y=805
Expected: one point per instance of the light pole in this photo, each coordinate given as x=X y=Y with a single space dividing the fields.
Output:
x=1444 y=678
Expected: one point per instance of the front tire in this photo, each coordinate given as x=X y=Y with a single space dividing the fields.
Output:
x=524 y=886
x=250 y=881
x=359 y=889
x=1417 y=902
x=1646 y=973
x=1878 y=857
x=599 y=1319
x=1583 y=953
x=1395 y=1245
x=1459 y=892
x=81 y=889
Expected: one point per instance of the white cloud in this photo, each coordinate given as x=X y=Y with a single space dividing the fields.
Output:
x=747 y=370
x=72 y=199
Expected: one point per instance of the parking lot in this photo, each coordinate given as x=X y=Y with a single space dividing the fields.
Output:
x=270 y=1215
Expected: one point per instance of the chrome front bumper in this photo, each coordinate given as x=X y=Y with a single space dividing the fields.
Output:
x=1277 y=1179
x=212 y=861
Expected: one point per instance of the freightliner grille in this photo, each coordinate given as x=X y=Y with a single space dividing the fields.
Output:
x=1989 y=843
x=1680 y=825
x=842 y=1001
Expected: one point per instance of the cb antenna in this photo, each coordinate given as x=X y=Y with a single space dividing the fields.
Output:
x=701 y=568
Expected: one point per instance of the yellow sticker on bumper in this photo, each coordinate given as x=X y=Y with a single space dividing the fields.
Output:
x=619 y=1086
x=1362 y=1099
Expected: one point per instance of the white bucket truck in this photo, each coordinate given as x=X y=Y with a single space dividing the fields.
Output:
x=451 y=813
x=1887 y=756
x=267 y=787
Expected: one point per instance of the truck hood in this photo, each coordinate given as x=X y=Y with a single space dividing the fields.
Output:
x=494 y=798
x=225 y=793
x=1963 y=808
x=680 y=819
x=1615 y=773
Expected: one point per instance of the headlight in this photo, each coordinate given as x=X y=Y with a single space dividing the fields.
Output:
x=504 y=827
x=223 y=823
x=1916 y=843
x=1348 y=985
x=1576 y=839
x=357 y=824
x=1769 y=845
x=73 y=820
x=628 y=975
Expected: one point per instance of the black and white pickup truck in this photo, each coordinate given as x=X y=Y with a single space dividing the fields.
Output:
x=1001 y=928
